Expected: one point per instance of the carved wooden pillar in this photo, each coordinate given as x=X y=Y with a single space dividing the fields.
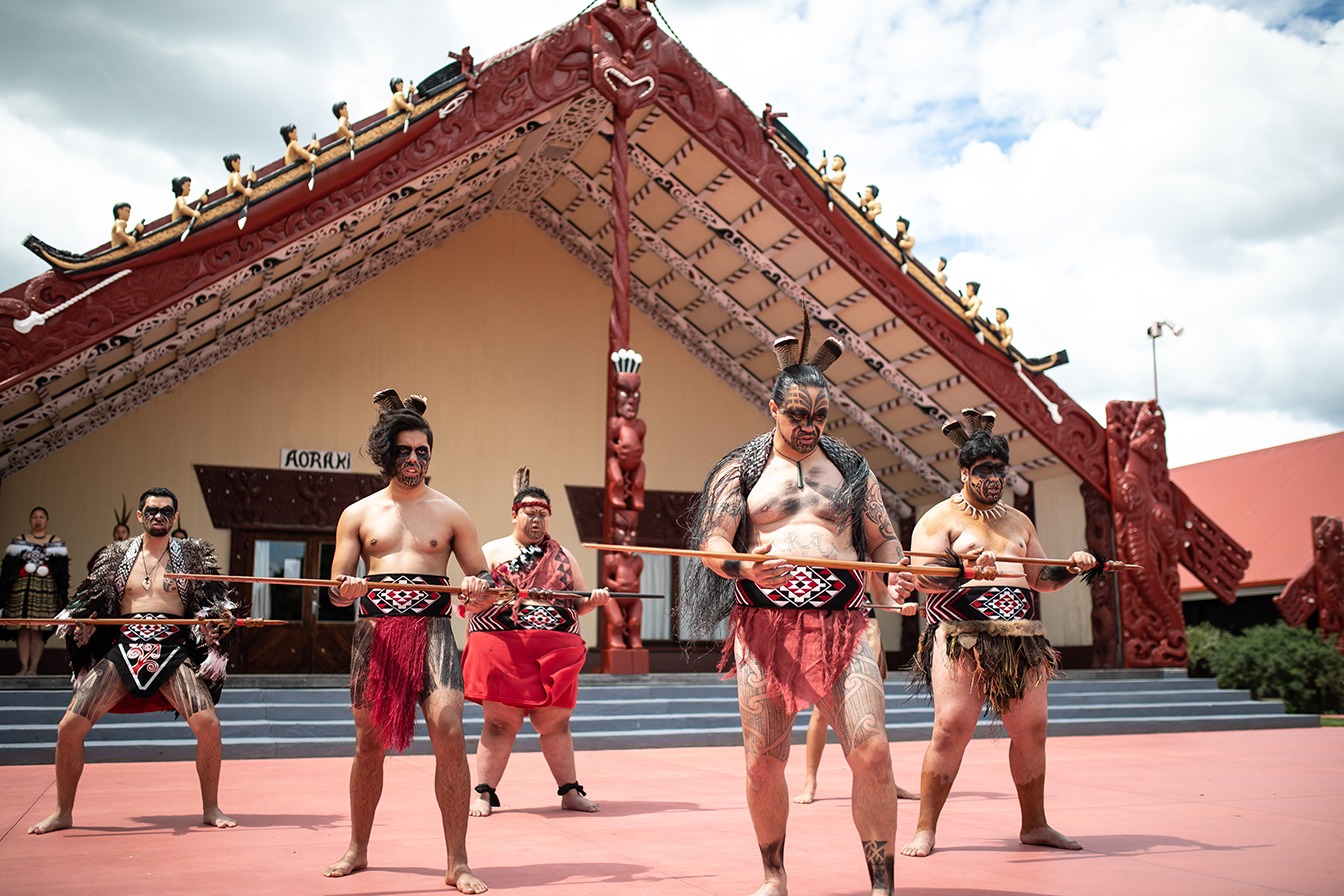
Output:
x=624 y=73
x=1105 y=631
x=1319 y=589
x=1146 y=532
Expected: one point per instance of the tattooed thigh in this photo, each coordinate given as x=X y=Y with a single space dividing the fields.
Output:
x=857 y=703
x=186 y=693
x=443 y=663
x=98 y=692
x=766 y=724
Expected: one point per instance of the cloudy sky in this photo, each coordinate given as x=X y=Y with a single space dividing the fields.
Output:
x=1097 y=165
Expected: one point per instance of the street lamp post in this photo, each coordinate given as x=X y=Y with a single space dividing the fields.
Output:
x=1154 y=331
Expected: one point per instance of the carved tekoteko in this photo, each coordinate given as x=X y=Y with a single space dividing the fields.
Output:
x=1320 y=587
x=1143 y=501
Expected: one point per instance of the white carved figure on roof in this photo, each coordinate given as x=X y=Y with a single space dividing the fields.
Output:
x=832 y=170
x=122 y=233
x=182 y=199
x=868 y=203
x=941 y=274
x=970 y=301
x=1000 y=329
x=904 y=241
x=296 y=151
x=238 y=182
x=341 y=110
x=401 y=98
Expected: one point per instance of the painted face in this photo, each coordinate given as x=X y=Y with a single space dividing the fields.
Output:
x=37 y=520
x=801 y=419
x=531 y=521
x=157 y=516
x=411 y=460
x=985 y=480
x=120 y=532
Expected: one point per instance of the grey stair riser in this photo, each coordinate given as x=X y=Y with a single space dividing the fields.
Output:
x=677 y=711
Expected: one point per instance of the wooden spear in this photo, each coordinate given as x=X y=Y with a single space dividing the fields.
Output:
x=863 y=565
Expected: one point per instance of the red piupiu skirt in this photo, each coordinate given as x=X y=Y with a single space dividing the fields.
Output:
x=802 y=653
x=527 y=668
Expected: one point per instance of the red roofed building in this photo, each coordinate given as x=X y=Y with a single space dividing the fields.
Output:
x=1265 y=500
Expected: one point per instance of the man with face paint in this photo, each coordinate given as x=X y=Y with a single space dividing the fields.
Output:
x=146 y=666
x=986 y=644
x=404 y=653
x=523 y=657
x=797 y=633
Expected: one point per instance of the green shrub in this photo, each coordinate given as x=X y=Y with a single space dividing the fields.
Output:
x=1296 y=665
x=1200 y=643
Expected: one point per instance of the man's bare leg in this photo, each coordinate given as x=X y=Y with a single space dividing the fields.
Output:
x=185 y=693
x=957 y=702
x=557 y=745
x=858 y=706
x=1025 y=724
x=816 y=743
x=493 y=750
x=452 y=782
x=366 y=788
x=766 y=727
x=99 y=692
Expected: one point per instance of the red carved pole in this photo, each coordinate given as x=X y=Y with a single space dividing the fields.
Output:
x=623 y=496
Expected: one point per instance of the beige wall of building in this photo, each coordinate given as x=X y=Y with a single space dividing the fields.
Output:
x=498 y=327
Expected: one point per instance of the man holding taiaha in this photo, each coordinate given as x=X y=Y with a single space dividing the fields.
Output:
x=986 y=643
x=797 y=632
x=523 y=656
x=145 y=666
x=404 y=652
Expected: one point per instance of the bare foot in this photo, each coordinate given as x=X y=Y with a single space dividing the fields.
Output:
x=56 y=821
x=903 y=794
x=1048 y=836
x=920 y=846
x=576 y=802
x=480 y=807
x=465 y=881
x=217 y=819
x=808 y=795
x=353 y=860
x=774 y=888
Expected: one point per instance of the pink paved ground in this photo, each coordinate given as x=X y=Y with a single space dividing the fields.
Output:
x=1240 y=812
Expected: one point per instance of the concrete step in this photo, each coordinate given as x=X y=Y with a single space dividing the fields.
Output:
x=262 y=719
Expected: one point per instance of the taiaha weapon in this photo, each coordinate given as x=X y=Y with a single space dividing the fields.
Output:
x=247 y=199
x=1104 y=565
x=521 y=593
x=410 y=89
x=226 y=623
x=192 y=221
x=352 y=145
x=312 y=166
x=859 y=565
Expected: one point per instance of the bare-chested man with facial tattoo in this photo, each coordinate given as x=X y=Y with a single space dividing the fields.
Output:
x=797 y=632
x=979 y=635
x=404 y=653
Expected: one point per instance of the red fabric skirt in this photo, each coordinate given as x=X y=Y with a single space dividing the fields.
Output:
x=528 y=668
x=803 y=653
